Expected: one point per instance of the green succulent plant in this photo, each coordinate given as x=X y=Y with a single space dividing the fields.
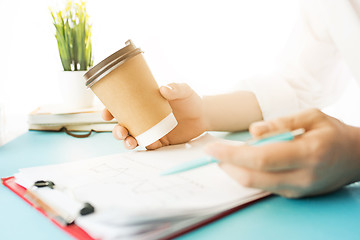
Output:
x=73 y=35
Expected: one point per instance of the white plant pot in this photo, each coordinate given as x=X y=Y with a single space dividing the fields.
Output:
x=73 y=90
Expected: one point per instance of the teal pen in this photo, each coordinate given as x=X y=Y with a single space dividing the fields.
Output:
x=286 y=136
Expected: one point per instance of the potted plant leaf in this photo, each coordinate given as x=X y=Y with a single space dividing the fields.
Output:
x=73 y=35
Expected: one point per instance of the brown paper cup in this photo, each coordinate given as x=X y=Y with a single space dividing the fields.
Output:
x=125 y=85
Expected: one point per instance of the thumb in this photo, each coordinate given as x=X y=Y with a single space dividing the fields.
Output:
x=259 y=129
x=175 y=91
x=304 y=119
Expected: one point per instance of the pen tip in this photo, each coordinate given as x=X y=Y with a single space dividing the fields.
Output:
x=166 y=173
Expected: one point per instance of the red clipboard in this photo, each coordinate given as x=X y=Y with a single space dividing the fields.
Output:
x=78 y=233
x=74 y=230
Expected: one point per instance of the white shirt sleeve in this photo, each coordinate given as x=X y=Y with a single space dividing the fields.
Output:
x=312 y=72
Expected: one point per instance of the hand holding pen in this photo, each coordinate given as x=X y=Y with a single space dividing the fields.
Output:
x=321 y=160
x=271 y=138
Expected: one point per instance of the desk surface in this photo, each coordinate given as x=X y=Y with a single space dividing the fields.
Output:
x=334 y=216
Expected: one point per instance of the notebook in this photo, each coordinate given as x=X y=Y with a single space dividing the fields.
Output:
x=131 y=200
x=58 y=117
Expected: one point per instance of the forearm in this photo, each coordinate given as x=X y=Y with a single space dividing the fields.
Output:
x=232 y=111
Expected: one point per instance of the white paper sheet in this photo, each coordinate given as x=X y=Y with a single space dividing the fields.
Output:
x=131 y=183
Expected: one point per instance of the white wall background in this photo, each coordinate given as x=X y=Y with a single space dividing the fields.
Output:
x=208 y=44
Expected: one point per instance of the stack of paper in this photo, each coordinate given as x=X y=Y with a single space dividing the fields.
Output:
x=132 y=200
x=56 y=117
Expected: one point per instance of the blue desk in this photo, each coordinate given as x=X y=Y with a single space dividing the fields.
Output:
x=334 y=216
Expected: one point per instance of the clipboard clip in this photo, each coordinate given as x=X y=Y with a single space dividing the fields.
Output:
x=42 y=183
x=56 y=203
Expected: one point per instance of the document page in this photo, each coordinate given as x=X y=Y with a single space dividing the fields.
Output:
x=131 y=182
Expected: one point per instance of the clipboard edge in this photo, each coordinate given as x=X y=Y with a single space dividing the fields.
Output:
x=214 y=218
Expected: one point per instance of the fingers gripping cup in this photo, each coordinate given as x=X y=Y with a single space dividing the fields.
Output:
x=125 y=85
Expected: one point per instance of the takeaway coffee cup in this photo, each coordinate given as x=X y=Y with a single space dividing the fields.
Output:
x=125 y=85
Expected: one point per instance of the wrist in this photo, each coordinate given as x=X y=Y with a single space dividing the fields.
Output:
x=354 y=135
x=355 y=139
x=231 y=112
x=207 y=114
